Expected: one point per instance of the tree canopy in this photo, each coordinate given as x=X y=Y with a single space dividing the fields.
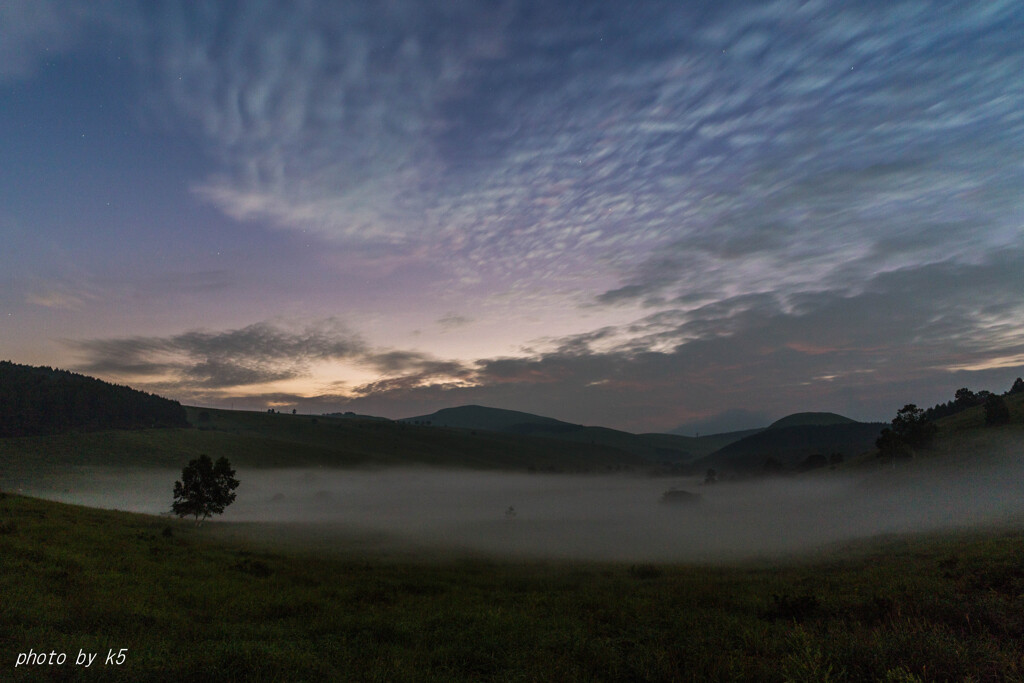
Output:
x=911 y=429
x=205 y=488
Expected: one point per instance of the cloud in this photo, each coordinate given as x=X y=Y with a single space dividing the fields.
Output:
x=451 y=321
x=413 y=363
x=749 y=146
x=204 y=364
x=55 y=299
x=36 y=32
x=260 y=353
x=318 y=112
x=907 y=336
x=801 y=203
x=32 y=31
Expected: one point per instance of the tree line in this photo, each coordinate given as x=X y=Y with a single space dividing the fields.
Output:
x=913 y=428
x=964 y=398
x=36 y=401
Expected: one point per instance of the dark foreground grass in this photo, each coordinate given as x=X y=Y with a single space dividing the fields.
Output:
x=191 y=607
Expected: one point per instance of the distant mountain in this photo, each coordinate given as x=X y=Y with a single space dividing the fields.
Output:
x=809 y=419
x=657 y=448
x=491 y=419
x=39 y=400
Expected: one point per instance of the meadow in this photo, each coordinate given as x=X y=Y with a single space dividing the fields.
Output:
x=211 y=603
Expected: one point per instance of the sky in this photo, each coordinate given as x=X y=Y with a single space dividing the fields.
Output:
x=642 y=215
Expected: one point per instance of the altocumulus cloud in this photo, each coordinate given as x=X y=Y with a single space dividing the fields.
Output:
x=756 y=142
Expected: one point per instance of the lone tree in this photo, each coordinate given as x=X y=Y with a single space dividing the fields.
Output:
x=205 y=488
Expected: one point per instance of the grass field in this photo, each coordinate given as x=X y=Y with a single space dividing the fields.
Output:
x=201 y=604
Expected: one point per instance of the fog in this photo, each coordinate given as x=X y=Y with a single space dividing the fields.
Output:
x=617 y=518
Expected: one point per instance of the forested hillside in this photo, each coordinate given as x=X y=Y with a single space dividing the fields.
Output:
x=39 y=400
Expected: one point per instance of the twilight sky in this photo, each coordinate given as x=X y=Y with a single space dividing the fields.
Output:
x=637 y=214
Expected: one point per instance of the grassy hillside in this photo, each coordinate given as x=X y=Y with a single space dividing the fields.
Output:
x=964 y=438
x=974 y=418
x=189 y=606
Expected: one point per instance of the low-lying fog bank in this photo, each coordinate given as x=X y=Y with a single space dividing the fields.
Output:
x=588 y=517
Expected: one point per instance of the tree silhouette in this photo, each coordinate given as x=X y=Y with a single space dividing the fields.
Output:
x=965 y=398
x=205 y=488
x=890 y=445
x=996 y=412
x=913 y=427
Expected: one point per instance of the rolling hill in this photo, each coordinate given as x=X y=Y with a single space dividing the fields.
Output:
x=475 y=437
x=788 y=442
x=264 y=440
x=668 y=449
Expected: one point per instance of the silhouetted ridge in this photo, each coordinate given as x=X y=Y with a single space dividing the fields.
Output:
x=666 y=449
x=788 y=446
x=492 y=419
x=40 y=400
x=810 y=419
